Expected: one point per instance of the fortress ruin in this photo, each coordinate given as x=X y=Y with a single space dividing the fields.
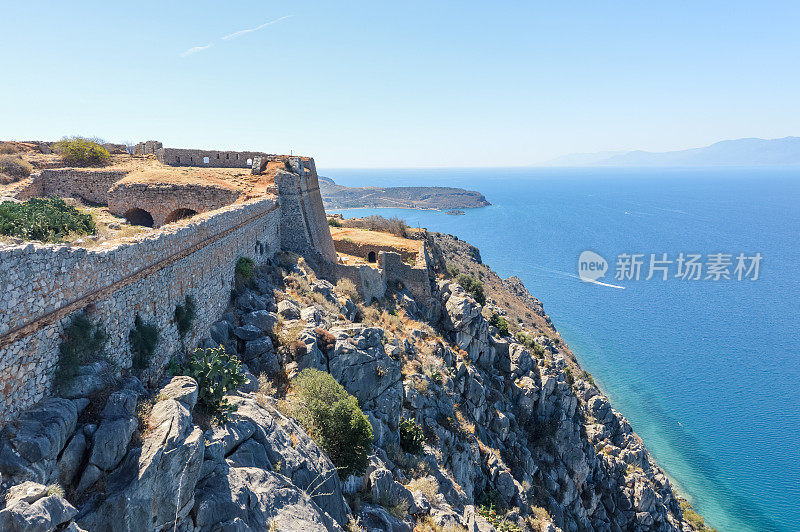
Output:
x=179 y=221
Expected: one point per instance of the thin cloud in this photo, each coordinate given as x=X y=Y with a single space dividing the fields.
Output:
x=196 y=49
x=251 y=30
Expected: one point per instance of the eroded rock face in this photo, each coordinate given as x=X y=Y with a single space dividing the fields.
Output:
x=246 y=498
x=500 y=421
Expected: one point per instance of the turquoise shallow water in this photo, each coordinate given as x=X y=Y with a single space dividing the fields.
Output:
x=707 y=372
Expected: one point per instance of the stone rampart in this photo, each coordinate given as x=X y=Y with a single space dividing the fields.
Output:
x=44 y=285
x=304 y=227
x=147 y=147
x=414 y=278
x=89 y=185
x=211 y=158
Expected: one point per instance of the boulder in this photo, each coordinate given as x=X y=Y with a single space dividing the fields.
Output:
x=386 y=490
x=289 y=309
x=71 y=458
x=43 y=515
x=246 y=498
x=182 y=389
x=250 y=454
x=42 y=432
x=247 y=332
x=154 y=484
x=372 y=517
x=221 y=331
x=120 y=404
x=261 y=319
x=294 y=455
x=28 y=492
x=111 y=442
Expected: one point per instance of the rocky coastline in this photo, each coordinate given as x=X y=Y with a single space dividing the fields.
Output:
x=514 y=435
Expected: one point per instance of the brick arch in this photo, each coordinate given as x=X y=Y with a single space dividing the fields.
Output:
x=179 y=214
x=137 y=216
x=372 y=257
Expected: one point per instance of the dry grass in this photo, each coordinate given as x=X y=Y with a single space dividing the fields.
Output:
x=419 y=383
x=266 y=390
x=428 y=485
x=464 y=424
x=427 y=524
x=354 y=525
x=287 y=335
x=347 y=288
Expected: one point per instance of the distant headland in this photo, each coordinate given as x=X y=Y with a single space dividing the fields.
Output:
x=336 y=196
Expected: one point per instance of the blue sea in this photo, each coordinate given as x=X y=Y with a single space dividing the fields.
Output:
x=706 y=371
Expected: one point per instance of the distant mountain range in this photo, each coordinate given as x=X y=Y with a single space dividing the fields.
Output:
x=738 y=152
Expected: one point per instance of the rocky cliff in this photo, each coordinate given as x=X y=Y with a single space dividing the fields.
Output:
x=515 y=437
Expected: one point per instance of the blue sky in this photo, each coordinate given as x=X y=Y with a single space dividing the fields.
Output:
x=403 y=84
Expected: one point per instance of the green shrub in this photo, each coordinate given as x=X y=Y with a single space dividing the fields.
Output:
x=48 y=220
x=185 y=315
x=288 y=166
x=143 y=339
x=217 y=374
x=452 y=271
x=501 y=324
x=82 y=342
x=694 y=518
x=333 y=419
x=570 y=378
x=411 y=437
x=15 y=166
x=472 y=286
x=244 y=268
x=334 y=222
x=501 y=524
x=79 y=151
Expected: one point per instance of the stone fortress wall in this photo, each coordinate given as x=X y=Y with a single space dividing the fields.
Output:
x=211 y=158
x=89 y=185
x=44 y=285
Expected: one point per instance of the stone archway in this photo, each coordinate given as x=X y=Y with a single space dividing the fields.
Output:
x=138 y=216
x=179 y=214
x=371 y=257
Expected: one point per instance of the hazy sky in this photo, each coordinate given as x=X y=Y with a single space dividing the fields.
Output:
x=402 y=84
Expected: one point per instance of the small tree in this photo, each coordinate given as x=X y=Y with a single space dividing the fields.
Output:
x=332 y=417
x=80 y=151
x=472 y=286
x=500 y=323
x=411 y=436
